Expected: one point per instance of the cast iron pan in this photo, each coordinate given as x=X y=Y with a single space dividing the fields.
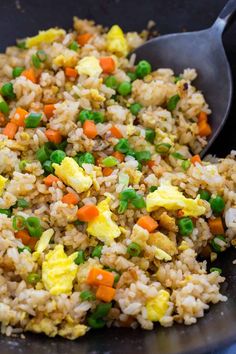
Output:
x=217 y=329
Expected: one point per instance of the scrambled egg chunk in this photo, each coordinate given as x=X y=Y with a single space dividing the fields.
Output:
x=59 y=271
x=103 y=227
x=48 y=36
x=73 y=175
x=116 y=41
x=89 y=66
x=171 y=198
x=72 y=331
x=3 y=181
x=157 y=307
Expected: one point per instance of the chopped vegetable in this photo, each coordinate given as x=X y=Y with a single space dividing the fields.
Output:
x=98 y=117
x=128 y=194
x=90 y=129
x=4 y=108
x=71 y=73
x=116 y=132
x=23 y=235
x=185 y=165
x=142 y=156
x=204 y=194
x=87 y=295
x=172 y=103
x=178 y=156
x=111 y=82
x=122 y=206
x=143 y=69
x=29 y=74
x=138 y=202
x=124 y=88
x=153 y=189
x=105 y=293
x=107 y=64
x=22 y=203
x=150 y=135
x=122 y=146
x=135 y=108
x=163 y=148
x=18 y=222
x=132 y=76
x=49 y=110
x=98 y=277
x=195 y=159
x=33 y=226
x=107 y=171
x=202 y=117
x=47 y=166
x=148 y=223
x=110 y=161
x=134 y=249
x=70 y=198
x=22 y=249
x=87 y=212
x=43 y=154
x=10 y=130
x=185 y=226
x=41 y=55
x=204 y=128
x=96 y=322
x=36 y=61
x=57 y=156
x=6 y=212
x=53 y=136
x=215 y=245
x=83 y=39
x=97 y=251
x=33 y=278
x=19 y=117
x=87 y=157
x=50 y=179
x=22 y=165
x=79 y=258
x=33 y=120
x=217 y=205
x=119 y=156
x=215 y=269
x=17 y=71
x=74 y=46
x=7 y=91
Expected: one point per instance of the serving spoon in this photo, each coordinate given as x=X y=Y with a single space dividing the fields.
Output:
x=204 y=51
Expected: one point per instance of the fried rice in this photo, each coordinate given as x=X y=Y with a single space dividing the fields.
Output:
x=108 y=216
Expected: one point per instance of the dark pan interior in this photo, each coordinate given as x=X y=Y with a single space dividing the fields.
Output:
x=20 y=18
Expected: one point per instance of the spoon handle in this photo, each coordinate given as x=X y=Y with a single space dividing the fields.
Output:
x=225 y=16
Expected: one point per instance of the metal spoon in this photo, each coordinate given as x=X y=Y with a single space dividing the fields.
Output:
x=204 y=51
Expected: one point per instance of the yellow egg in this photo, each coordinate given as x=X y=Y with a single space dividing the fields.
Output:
x=73 y=175
x=89 y=66
x=162 y=255
x=59 y=271
x=103 y=227
x=171 y=198
x=157 y=307
x=3 y=181
x=44 y=240
x=48 y=36
x=116 y=41
x=67 y=59
x=72 y=330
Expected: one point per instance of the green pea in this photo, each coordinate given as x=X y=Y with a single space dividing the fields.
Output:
x=135 y=108
x=185 y=165
x=134 y=249
x=7 y=90
x=42 y=154
x=22 y=203
x=33 y=226
x=57 y=156
x=111 y=82
x=204 y=194
x=124 y=88
x=143 y=156
x=85 y=115
x=87 y=295
x=4 y=108
x=98 y=117
x=17 y=71
x=47 y=166
x=143 y=69
x=217 y=204
x=132 y=76
x=74 y=46
x=185 y=226
x=150 y=135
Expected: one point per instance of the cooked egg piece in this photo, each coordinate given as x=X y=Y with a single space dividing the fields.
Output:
x=73 y=175
x=103 y=227
x=44 y=240
x=171 y=198
x=3 y=181
x=116 y=41
x=89 y=66
x=157 y=307
x=47 y=36
x=59 y=271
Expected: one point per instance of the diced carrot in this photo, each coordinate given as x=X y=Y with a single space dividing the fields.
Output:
x=2 y=120
x=10 y=130
x=48 y=110
x=87 y=212
x=119 y=156
x=54 y=136
x=105 y=293
x=148 y=223
x=116 y=132
x=98 y=277
x=195 y=159
x=24 y=236
x=180 y=213
x=150 y=163
x=107 y=171
x=204 y=128
x=50 y=179
x=71 y=72
x=70 y=198
x=216 y=226
x=90 y=129
x=202 y=117
x=32 y=242
x=107 y=64
x=19 y=117
x=82 y=39
x=30 y=75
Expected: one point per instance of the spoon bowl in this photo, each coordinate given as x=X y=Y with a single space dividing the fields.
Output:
x=204 y=51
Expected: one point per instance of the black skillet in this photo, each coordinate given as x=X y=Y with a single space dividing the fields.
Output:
x=217 y=329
